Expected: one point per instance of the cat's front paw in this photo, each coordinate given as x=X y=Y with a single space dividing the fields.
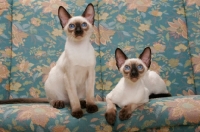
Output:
x=77 y=114
x=83 y=104
x=91 y=108
x=125 y=113
x=110 y=116
x=58 y=104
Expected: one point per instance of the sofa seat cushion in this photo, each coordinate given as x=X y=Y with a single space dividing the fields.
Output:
x=158 y=114
x=164 y=113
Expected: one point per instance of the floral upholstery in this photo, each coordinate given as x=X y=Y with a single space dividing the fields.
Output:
x=132 y=27
x=32 y=39
x=5 y=48
x=193 y=24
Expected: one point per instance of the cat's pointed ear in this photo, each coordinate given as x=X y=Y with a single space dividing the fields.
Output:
x=89 y=13
x=64 y=16
x=145 y=56
x=120 y=57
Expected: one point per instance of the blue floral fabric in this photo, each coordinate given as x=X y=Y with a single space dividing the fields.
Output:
x=193 y=24
x=5 y=47
x=134 y=25
x=32 y=39
x=38 y=41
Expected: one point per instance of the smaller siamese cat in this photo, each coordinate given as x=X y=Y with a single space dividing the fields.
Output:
x=72 y=79
x=137 y=85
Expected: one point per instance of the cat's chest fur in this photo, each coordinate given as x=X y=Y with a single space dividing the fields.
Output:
x=127 y=93
x=80 y=54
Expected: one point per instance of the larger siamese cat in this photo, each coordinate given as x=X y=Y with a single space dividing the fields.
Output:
x=137 y=85
x=72 y=79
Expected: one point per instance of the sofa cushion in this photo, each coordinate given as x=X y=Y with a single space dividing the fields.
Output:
x=5 y=48
x=38 y=41
x=134 y=25
x=193 y=24
x=43 y=117
x=169 y=114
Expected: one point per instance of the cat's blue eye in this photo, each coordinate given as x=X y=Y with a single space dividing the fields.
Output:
x=127 y=68
x=71 y=26
x=84 y=25
x=140 y=67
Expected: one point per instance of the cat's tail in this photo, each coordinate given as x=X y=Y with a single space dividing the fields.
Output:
x=160 y=95
x=24 y=100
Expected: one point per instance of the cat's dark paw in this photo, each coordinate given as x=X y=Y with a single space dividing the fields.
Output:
x=124 y=113
x=58 y=104
x=83 y=104
x=110 y=117
x=91 y=108
x=77 y=114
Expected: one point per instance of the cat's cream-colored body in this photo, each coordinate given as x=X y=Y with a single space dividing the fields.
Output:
x=127 y=92
x=135 y=87
x=76 y=64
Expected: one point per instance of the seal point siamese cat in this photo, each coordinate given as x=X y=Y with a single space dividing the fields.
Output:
x=72 y=79
x=134 y=87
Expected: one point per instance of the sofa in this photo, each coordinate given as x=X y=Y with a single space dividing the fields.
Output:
x=31 y=40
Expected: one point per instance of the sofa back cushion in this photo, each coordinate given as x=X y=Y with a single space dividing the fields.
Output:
x=135 y=24
x=193 y=24
x=5 y=48
x=38 y=41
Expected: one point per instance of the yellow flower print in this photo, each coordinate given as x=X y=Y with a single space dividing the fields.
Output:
x=4 y=5
x=9 y=17
x=8 y=53
x=180 y=11
x=103 y=128
x=167 y=82
x=1 y=31
x=156 y=13
x=173 y=62
x=15 y=86
x=25 y=2
x=18 y=17
x=109 y=1
x=107 y=85
x=80 y=2
x=57 y=32
x=144 y=27
x=111 y=64
x=103 y=33
x=99 y=85
x=155 y=67
x=178 y=28
x=34 y=92
x=121 y=18
x=35 y=21
x=192 y=2
x=46 y=70
x=133 y=129
x=158 y=47
x=3 y=130
x=18 y=36
x=196 y=63
x=4 y=72
x=38 y=114
x=24 y=66
x=140 y=5
x=103 y=16
x=52 y=6
x=60 y=128
x=163 y=129
x=187 y=108
x=181 y=47
x=189 y=92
